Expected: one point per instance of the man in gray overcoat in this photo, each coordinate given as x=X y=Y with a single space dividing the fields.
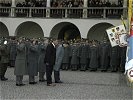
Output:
x=20 y=63
x=58 y=62
x=4 y=60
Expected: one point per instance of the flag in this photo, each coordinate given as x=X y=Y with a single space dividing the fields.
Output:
x=129 y=59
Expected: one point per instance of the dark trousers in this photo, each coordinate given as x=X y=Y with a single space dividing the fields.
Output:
x=3 y=68
x=19 y=79
x=57 y=76
x=41 y=75
x=12 y=63
x=49 y=69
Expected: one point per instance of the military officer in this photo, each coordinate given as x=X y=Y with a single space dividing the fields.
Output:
x=114 y=58
x=93 y=65
x=13 y=52
x=122 y=51
x=41 y=65
x=74 y=54
x=66 y=58
x=20 y=63
x=33 y=61
x=104 y=55
x=84 y=54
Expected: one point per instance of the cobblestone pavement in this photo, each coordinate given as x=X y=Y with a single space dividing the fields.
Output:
x=77 y=85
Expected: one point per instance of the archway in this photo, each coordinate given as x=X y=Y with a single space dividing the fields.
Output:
x=98 y=31
x=3 y=30
x=65 y=31
x=30 y=30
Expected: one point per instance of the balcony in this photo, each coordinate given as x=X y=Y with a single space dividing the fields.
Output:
x=64 y=12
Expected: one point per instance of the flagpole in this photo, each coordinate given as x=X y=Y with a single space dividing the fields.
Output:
x=129 y=14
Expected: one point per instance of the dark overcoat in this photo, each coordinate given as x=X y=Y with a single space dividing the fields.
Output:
x=42 y=52
x=93 y=57
x=84 y=54
x=66 y=58
x=33 y=60
x=104 y=55
x=74 y=54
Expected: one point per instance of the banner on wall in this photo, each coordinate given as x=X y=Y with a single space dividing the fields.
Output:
x=117 y=36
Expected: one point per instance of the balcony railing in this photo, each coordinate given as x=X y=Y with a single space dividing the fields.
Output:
x=64 y=12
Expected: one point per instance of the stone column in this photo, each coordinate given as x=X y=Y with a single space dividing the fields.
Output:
x=125 y=10
x=47 y=9
x=13 y=9
x=85 y=10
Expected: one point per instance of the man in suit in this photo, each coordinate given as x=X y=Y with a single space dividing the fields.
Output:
x=49 y=60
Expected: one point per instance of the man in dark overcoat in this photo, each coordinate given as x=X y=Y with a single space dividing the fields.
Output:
x=4 y=60
x=49 y=60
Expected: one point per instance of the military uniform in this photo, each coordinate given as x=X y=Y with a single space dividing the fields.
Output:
x=20 y=64
x=122 y=51
x=84 y=55
x=114 y=58
x=93 y=65
x=74 y=54
x=32 y=63
x=104 y=56
x=41 y=64
x=66 y=58
x=13 y=53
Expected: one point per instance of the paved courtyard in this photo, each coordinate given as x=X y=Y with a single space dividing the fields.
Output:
x=77 y=85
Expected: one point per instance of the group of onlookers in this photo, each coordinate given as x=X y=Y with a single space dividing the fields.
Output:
x=105 y=3
x=5 y=4
x=34 y=3
x=67 y=3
